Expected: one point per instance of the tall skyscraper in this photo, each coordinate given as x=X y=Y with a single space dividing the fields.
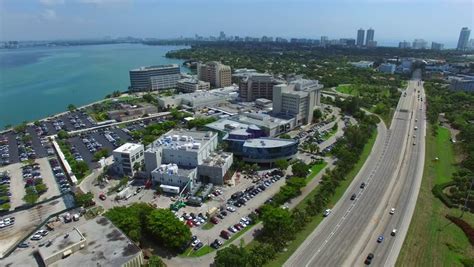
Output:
x=222 y=36
x=463 y=38
x=436 y=46
x=370 y=36
x=360 y=37
x=324 y=40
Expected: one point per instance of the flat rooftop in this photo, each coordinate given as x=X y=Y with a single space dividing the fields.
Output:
x=106 y=246
x=127 y=148
x=269 y=142
x=60 y=242
x=156 y=67
x=226 y=125
x=182 y=139
x=262 y=120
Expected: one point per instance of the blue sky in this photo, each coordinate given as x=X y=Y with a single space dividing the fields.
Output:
x=393 y=20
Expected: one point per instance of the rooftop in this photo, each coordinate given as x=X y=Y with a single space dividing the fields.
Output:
x=174 y=169
x=128 y=147
x=180 y=139
x=269 y=142
x=61 y=242
x=259 y=119
x=106 y=246
x=216 y=159
x=157 y=67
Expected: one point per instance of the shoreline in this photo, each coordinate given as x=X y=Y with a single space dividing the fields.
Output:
x=87 y=80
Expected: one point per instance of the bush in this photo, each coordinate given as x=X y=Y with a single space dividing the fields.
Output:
x=438 y=192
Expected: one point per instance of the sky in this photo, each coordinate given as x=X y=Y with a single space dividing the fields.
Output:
x=393 y=20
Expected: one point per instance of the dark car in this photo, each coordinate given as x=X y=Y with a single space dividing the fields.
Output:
x=353 y=196
x=362 y=185
x=369 y=258
x=225 y=234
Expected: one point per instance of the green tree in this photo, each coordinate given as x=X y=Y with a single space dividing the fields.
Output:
x=71 y=107
x=317 y=115
x=81 y=168
x=232 y=256
x=84 y=200
x=131 y=220
x=282 y=164
x=31 y=196
x=261 y=254
x=300 y=169
x=167 y=229
x=155 y=261
x=62 y=134
x=101 y=153
x=41 y=188
x=277 y=226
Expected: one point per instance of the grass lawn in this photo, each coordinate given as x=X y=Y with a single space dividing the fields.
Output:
x=302 y=235
x=432 y=240
x=347 y=89
x=315 y=170
x=208 y=226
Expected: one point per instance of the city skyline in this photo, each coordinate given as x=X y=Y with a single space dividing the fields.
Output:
x=81 y=19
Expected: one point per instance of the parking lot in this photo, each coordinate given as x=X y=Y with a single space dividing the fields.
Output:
x=26 y=221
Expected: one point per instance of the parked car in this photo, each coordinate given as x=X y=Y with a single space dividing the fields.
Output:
x=224 y=234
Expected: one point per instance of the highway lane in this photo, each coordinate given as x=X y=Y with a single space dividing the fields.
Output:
x=403 y=197
x=332 y=242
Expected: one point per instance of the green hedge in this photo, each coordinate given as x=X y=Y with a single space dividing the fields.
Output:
x=438 y=192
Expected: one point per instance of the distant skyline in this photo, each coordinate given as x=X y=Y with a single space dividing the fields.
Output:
x=392 y=20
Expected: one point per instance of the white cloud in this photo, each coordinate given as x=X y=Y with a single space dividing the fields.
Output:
x=48 y=14
x=51 y=2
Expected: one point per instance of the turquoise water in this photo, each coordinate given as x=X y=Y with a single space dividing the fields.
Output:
x=38 y=82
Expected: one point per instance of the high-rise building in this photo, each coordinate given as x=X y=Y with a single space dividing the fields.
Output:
x=216 y=73
x=257 y=85
x=360 y=37
x=324 y=40
x=437 y=46
x=299 y=98
x=154 y=77
x=222 y=36
x=370 y=37
x=463 y=38
x=419 y=44
x=404 y=44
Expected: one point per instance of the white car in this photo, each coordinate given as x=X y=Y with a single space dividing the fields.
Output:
x=42 y=232
x=195 y=242
x=327 y=212
x=392 y=211
x=231 y=209
x=36 y=237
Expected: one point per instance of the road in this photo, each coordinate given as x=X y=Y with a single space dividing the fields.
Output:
x=392 y=175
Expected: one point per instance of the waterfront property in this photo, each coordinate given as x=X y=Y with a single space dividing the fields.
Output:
x=154 y=77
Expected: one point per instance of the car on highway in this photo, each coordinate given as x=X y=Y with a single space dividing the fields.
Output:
x=380 y=239
x=369 y=259
x=353 y=196
x=392 y=211
x=36 y=237
x=394 y=232
x=327 y=212
x=362 y=185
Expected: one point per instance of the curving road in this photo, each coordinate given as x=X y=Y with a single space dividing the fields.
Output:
x=391 y=174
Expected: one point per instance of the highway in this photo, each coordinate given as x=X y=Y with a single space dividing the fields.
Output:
x=392 y=175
